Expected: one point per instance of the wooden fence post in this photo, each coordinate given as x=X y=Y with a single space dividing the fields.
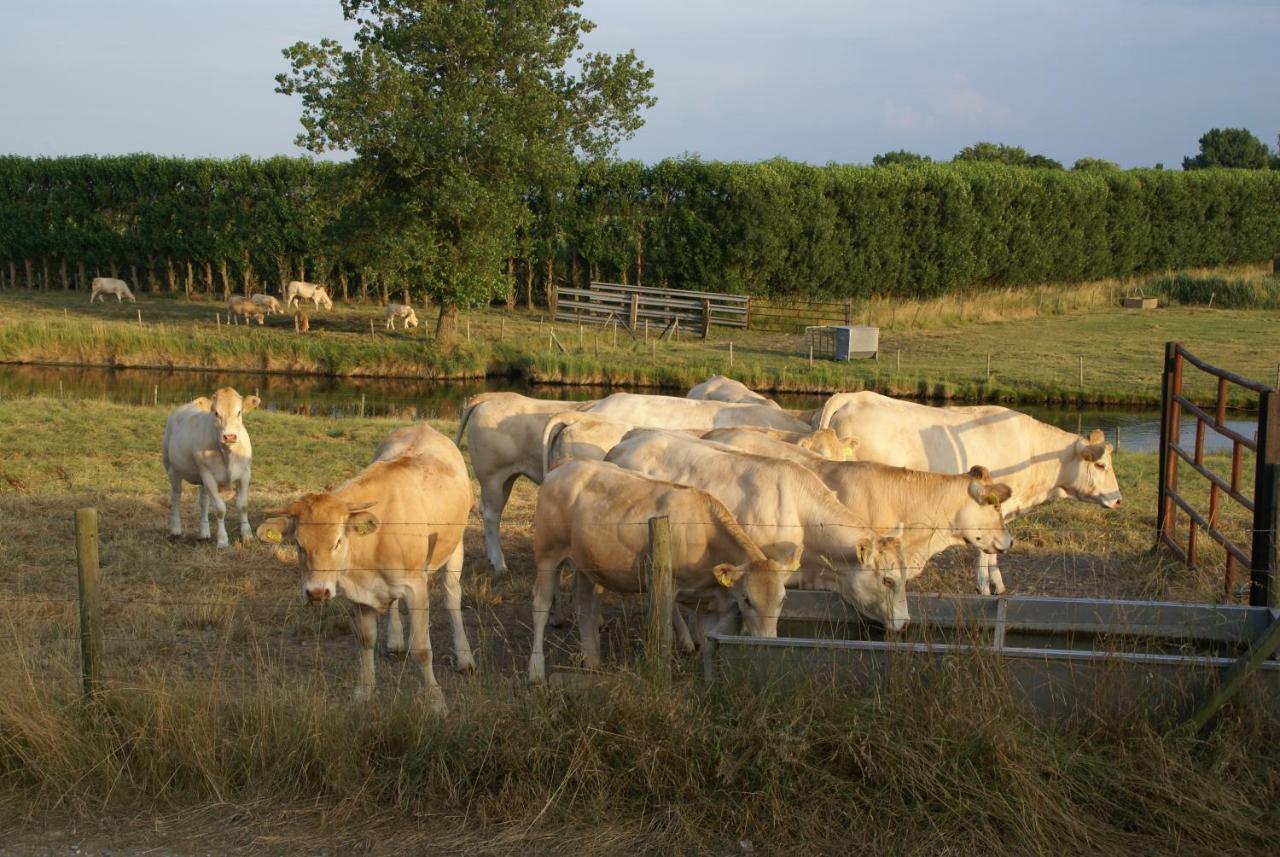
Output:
x=1238 y=674
x=90 y=603
x=661 y=599
x=1263 y=591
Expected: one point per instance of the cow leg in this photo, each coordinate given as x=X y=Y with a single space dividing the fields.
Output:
x=494 y=493
x=997 y=579
x=453 y=604
x=545 y=585
x=366 y=635
x=420 y=644
x=175 y=504
x=984 y=575
x=219 y=508
x=395 y=629
x=204 y=513
x=588 y=620
x=242 y=506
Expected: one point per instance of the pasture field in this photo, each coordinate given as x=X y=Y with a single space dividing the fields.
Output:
x=1062 y=343
x=227 y=721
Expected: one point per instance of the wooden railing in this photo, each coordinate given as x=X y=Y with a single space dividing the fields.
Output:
x=1263 y=506
x=634 y=306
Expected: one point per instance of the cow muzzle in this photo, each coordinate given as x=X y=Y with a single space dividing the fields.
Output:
x=229 y=439
x=318 y=593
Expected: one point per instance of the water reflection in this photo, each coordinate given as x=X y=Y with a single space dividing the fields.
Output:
x=1130 y=429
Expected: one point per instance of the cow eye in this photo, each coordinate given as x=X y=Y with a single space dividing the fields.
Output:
x=890 y=583
x=1100 y=466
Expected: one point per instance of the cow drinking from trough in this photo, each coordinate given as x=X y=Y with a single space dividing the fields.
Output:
x=206 y=444
x=377 y=539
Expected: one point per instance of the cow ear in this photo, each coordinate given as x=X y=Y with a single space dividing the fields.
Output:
x=250 y=402
x=980 y=473
x=1096 y=436
x=204 y=403
x=363 y=523
x=727 y=575
x=273 y=531
x=865 y=549
x=851 y=445
x=996 y=494
x=891 y=538
x=786 y=555
x=1090 y=451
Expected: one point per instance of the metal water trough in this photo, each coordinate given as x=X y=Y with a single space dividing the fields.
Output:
x=1060 y=657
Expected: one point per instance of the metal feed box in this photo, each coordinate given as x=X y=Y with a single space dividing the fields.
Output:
x=843 y=342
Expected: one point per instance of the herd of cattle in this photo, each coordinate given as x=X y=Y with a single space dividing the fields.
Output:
x=855 y=497
x=259 y=306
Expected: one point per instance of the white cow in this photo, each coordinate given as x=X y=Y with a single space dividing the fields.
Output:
x=206 y=444
x=371 y=539
x=109 y=286
x=395 y=311
x=589 y=516
x=271 y=304
x=674 y=412
x=719 y=388
x=779 y=502
x=298 y=290
x=1038 y=461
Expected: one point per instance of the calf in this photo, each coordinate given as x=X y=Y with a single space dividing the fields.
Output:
x=371 y=540
x=206 y=444
x=590 y=514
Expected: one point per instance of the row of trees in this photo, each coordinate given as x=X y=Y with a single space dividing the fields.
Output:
x=777 y=227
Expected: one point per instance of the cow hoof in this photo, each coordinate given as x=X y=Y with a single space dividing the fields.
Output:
x=998 y=588
x=537 y=669
x=466 y=664
x=435 y=701
x=397 y=654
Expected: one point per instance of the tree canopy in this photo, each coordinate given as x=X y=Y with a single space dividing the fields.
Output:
x=1229 y=147
x=1087 y=164
x=899 y=158
x=455 y=109
x=1014 y=156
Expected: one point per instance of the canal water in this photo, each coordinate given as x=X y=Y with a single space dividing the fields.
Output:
x=1132 y=430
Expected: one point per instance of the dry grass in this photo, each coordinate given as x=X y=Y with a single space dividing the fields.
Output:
x=228 y=702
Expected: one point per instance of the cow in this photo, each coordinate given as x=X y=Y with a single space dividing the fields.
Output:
x=938 y=510
x=674 y=412
x=823 y=442
x=589 y=515
x=503 y=431
x=395 y=311
x=719 y=388
x=264 y=300
x=298 y=290
x=1038 y=461
x=109 y=286
x=378 y=538
x=778 y=502
x=206 y=443
x=246 y=309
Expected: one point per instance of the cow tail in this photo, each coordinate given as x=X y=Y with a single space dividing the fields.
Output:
x=834 y=402
x=554 y=426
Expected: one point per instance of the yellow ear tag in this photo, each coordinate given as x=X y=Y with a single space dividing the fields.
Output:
x=723 y=578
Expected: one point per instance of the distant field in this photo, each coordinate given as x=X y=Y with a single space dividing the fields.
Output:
x=1060 y=344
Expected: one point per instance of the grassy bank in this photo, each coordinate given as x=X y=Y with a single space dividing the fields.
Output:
x=1068 y=344
x=228 y=709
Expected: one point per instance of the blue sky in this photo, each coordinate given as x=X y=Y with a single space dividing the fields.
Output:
x=1134 y=81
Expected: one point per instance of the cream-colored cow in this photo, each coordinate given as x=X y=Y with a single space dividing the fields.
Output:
x=591 y=516
x=719 y=388
x=298 y=290
x=674 y=412
x=377 y=539
x=271 y=304
x=822 y=442
x=109 y=286
x=778 y=501
x=238 y=305
x=401 y=311
x=205 y=443
x=1038 y=461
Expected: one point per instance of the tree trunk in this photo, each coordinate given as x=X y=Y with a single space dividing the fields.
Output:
x=549 y=286
x=226 y=279
x=115 y=272
x=151 y=275
x=81 y=282
x=208 y=278
x=447 y=323
x=342 y=282
x=44 y=273
x=13 y=275
x=639 y=258
x=511 y=283
x=528 y=284
x=62 y=272
x=573 y=268
x=170 y=283
x=404 y=297
x=26 y=263
x=133 y=277
x=364 y=288
x=190 y=279
x=382 y=287
x=246 y=273
x=623 y=275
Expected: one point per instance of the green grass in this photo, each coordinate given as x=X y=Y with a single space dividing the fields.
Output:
x=227 y=706
x=1063 y=344
x=1220 y=291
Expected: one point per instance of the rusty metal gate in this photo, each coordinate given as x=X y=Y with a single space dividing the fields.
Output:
x=1261 y=558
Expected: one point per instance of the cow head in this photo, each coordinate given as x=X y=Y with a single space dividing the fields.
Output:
x=1089 y=474
x=759 y=586
x=322 y=527
x=980 y=523
x=824 y=442
x=878 y=586
x=322 y=295
x=411 y=320
x=228 y=408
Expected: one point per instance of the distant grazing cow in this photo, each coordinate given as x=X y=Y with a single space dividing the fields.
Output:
x=587 y=517
x=371 y=540
x=265 y=300
x=395 y=311
x=718 y=388
x=300 y=317
x=1038 y=461
x=298 y=290
x=206 y=444
x=109 y=286
x=237 y=305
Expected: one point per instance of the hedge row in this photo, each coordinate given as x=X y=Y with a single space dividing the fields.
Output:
x=776 y=227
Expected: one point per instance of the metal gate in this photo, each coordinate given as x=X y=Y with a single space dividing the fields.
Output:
x=1261 y=559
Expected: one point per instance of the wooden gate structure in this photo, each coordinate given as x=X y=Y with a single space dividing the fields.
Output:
x=1261 y=558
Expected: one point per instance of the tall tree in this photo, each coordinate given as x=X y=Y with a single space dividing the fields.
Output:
x=901 y=157
x=454 y=109
x=1000 y=153
x=1229 y=147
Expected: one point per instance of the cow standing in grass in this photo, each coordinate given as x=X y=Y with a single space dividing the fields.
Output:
x=238 y=305
x=298 y=290
x=377 y=539
x=109 y=286
x=206 y=444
